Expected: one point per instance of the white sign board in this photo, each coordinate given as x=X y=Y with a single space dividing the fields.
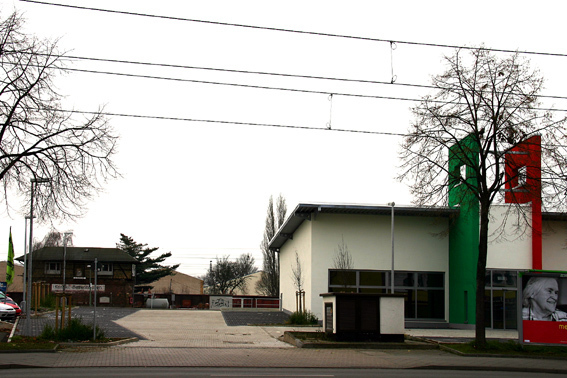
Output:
x=72 y=288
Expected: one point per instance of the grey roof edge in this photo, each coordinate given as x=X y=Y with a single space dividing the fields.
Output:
x=304 y=211
x=104 y=254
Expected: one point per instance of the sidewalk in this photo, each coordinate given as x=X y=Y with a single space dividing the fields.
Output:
x=202 y=339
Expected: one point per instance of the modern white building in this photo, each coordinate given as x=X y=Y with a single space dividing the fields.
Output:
x=422 y=252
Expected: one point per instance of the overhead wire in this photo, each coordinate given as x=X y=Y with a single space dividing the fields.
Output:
x=267 y=28
x=170 y=118
x=276 y=74
x=345 y=94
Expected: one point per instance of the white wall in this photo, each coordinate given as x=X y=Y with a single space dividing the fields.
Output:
x=510 y=237
x=554 y=245
x=301 y=243
x=419 y=246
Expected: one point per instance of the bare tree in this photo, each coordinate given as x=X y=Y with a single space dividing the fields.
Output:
x=483 y=106
x=225 y=276
x=297 y=277
x=269 y=283
x=343 y=262
x=54 y=238
x=297 y=274
x=38 y=138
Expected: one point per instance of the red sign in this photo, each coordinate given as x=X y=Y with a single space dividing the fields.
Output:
x=544 y=332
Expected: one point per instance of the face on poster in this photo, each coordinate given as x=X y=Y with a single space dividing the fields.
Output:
x=544 y=308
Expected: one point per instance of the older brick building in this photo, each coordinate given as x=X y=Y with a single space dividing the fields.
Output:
x=75 y=266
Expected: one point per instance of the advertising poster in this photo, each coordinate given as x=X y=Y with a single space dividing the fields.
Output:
x=544 y=308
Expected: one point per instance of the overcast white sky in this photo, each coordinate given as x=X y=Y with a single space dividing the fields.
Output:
x=201 y=190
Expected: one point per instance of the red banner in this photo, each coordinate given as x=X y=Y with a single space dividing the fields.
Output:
x=544 y=332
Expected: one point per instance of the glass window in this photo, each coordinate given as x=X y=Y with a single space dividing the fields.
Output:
x=430 y=280
x=105 y=269
x=430 y=304
x=370 y=278
x=409 y=305
x=403 y=279
x=504 y=278
x=342 y=277
x=427 y=302
x=52 y=268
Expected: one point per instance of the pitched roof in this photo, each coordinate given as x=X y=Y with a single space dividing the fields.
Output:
x=81 y=254
x=178 y=283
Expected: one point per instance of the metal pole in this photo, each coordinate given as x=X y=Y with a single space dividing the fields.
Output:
x=29 y=267
x=95 y=284
x=65 y=236
x=30 y=253
x=24 y=306
x=392 y=204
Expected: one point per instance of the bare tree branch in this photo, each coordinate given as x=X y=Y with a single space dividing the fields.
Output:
x=40 y=140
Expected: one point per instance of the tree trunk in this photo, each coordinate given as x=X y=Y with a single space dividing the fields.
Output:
x=480 y=333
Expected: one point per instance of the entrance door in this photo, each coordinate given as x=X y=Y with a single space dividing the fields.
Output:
x=504 y=309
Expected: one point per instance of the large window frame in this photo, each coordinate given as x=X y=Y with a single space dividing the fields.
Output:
x=106 y=269
x=424 y=290
x=501 y=299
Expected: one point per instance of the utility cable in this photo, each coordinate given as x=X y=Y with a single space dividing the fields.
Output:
x=360 y=81
x=167 y=118
x=292 y=30
x=279 y=88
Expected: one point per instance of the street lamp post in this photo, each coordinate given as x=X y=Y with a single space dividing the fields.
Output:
x=23 y=304
x=30 y=250
x=65 y=238
x=392 y=204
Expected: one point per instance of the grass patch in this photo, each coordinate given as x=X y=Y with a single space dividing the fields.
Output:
x=303 y=318
x=513 y=348
x=75 y=331
x=27 y=343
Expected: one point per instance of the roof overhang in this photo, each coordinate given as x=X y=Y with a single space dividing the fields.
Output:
x=305 y=211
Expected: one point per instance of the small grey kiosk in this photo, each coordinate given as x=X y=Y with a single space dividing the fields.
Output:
x=364 y=317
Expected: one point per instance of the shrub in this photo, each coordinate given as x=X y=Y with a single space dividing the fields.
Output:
x=303 y=318
x=75 y=331
x=48 y=302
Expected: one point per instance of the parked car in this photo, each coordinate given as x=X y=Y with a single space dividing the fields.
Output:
x=10 y=302
x=7 y=313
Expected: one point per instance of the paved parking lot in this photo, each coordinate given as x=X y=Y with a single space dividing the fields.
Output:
x=178 y=328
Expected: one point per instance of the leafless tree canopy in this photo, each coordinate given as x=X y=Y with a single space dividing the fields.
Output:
x=343 y=262
x=54 y=238
x=225 y=276
x=38 y=139
x=269 y=283
x=483 y=105
x=495 y=101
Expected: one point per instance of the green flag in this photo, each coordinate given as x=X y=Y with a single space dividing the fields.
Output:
x=10 y=262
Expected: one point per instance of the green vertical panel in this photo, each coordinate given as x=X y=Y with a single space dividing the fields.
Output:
x=464 y=232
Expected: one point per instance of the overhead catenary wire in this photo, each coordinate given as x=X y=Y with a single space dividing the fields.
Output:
x=345 y=94
x=276 y=74
x=268 y=28
x=238 y=123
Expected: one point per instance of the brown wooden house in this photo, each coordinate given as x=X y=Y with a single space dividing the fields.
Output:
x=115 y=274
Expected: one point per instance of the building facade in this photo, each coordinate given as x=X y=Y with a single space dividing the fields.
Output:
x=74 y=267
x=423 y=253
